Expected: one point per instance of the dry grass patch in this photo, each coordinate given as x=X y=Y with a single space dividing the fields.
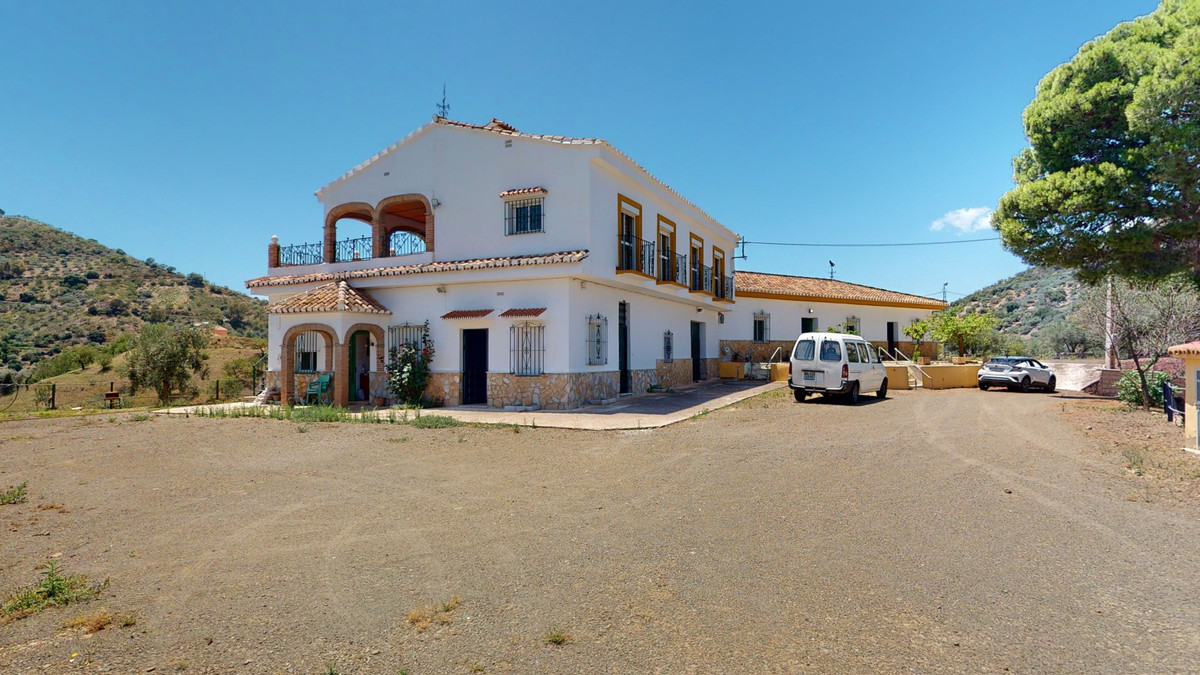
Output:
x=98 y=621
x=425 y=616
x=52 y=590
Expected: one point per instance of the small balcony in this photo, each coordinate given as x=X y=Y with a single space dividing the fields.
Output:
x=723 y=288
x=672 y=268
x=635 y=255
x=702 y=279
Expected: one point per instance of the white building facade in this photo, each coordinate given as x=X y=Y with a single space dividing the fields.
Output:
x=773 y=309
x=552 y=272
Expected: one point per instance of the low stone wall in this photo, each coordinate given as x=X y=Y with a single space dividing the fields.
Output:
x=1106 y=385
x=757 y=351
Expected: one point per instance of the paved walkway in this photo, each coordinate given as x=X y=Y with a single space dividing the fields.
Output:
x=648 y=411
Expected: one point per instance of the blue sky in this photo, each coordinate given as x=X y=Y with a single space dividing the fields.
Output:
x=192 y=132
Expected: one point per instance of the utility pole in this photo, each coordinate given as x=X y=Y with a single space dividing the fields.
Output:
x=944 y=290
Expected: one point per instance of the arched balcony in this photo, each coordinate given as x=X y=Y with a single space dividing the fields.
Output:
x=400 y=225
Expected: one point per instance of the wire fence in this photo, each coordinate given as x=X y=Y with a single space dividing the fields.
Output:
x=42 y=396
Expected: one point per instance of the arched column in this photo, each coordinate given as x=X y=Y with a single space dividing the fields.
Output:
x=382 y=232
x=357 y=210
x=287 y=359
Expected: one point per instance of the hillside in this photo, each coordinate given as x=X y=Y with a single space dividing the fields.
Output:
x=1026 y=302
x=59 y=290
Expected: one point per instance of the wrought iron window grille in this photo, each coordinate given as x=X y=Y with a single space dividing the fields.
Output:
x=597 y=340
x=668 y=347
x=762 y=327
x=527 y=349
x=306 y=352
x=524 y=216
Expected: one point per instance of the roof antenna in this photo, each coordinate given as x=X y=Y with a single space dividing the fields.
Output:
x=742 y=255
x=443 y=107
x=831 y=270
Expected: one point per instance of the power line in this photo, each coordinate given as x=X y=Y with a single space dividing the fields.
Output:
x=915 y=243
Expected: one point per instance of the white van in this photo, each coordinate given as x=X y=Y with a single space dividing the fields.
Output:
x=835 y=363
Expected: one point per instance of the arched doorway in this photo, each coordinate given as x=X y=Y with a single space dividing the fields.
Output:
x=308 y=351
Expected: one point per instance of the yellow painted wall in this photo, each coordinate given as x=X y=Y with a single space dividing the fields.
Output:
x=897 y=377
x=779 y=372
x=946 y=376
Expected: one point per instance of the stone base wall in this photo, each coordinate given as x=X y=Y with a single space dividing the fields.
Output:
x=551 y=391
x=272 y=379
x=710 y=368
x=758 y=351
x=674 y=374
x=444 y=388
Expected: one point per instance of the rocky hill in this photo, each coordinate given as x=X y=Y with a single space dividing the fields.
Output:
x=59 y=290
x=1028 y=302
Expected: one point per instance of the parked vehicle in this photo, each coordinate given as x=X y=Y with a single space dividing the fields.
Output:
x=835 y=364
x=1016 y=373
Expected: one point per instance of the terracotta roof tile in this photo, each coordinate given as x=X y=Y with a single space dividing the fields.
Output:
x=524 y=191
x=1189 y=349
x=422 y=268
x=813 y=288
x=331 y=297
x=527 y=313
x=467 y=314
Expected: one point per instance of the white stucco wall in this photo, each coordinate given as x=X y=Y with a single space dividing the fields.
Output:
x=786 y=317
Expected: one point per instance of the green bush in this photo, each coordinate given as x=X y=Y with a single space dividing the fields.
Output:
x=1129 y=387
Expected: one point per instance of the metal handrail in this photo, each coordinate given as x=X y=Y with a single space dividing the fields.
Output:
x=772 y=359
x=910 y=363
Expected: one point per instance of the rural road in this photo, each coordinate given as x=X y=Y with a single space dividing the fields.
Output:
x=934 y=531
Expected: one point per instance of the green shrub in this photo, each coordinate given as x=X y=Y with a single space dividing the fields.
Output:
x=1129 y=387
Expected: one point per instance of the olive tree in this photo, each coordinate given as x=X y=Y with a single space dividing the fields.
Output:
x=165 y=359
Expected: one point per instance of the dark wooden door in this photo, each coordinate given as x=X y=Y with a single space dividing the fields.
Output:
x=697 y=353
x=475 y=365
x=891 y=338
x=623 y=345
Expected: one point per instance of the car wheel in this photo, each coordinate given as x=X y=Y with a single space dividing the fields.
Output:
x=1025 y=384
x=984 y=386
x=1051 y=385
x=799 y=394
x=852 y=397
x=882 y=393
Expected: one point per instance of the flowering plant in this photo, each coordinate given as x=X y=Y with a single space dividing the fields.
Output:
x=408 y=368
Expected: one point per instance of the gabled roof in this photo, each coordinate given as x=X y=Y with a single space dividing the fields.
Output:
x=760 y=284
x=331 y=297
x=422 y=268
x=504 y=129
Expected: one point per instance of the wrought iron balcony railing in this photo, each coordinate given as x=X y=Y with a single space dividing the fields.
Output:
x=301 y=254
x=635 y=254
x=702 y=279
x=673 y=267
x=724 y=288
x=405 y=243
x=358 y=248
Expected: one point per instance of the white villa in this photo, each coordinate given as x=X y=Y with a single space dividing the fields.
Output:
x=552 y=272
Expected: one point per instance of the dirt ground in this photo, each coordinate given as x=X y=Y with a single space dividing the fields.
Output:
x=934 y=531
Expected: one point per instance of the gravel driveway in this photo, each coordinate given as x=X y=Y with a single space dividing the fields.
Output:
x=934 y=531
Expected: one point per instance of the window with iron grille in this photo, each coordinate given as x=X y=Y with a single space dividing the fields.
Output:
x=762 y=327
x=306 y=351
x=404 y=334
x=668 y=347
x=597 y=340
x=527 y=348
x=853 y=325
x=523 y=216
